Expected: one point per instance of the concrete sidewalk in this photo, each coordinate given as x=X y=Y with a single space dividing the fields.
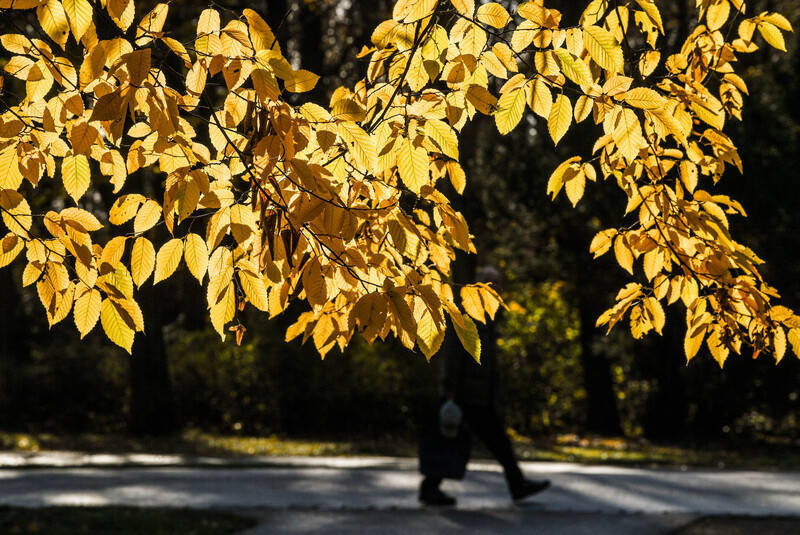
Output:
x=366 y=494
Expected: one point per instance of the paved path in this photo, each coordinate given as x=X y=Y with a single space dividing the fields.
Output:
x=297 y=494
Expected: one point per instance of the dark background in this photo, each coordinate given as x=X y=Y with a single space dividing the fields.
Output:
x=559 y=373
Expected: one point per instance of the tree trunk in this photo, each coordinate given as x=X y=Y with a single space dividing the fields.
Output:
x=602 y=415
x=151 y=407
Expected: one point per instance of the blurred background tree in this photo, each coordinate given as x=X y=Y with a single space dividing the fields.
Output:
x=560 y=374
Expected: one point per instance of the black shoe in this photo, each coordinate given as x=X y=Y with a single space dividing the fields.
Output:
x=528 y=487
x=435 y=497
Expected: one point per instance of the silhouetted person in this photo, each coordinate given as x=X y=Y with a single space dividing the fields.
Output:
x=472 y=387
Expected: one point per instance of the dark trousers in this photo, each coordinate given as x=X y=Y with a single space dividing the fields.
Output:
x=484 y=423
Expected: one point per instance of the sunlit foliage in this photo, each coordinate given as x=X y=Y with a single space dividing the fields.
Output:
x=267 y=201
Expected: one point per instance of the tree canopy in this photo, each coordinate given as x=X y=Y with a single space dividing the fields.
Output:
x=270 y=199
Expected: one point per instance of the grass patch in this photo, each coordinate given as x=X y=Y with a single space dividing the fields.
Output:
x=741 y=525
x=119 y=521
x=754 y=454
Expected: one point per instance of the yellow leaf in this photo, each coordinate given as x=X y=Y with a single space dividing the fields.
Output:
x=168 y=259
x=778 y=20
x=656 y=313
x=419 y=9
x=79 y=13
x=112 y=252
x=429 y=334
x=693 y=340
x=314 y=283
x=623 y=253
x=152 y=23
x=301 y=81
x=16 y=212
x=122 y=12
x=794 y=339
x=651 y=9
x=412 y=164
x=717 y=347
x=20 y=4
x=10 y=175
x=628 y=135
x=444 y=137
x=147 y=217
x=602 y=241
x=117 y=324
x=143 y=260
x=688 y=172
x=560 y=118
x=717 y=14
x=54 y=22
x=772 y=35
x=86 y=310
x=574 y=68
x=561 y=174
x=208 y=22
x=362 y=145
x=575 y=187
x=494 y=15
x=541 y=101
x=254 y=288
x=10 y=247
x=779 y=343
x=124 y=208
x=509 y=110
x=472 y=303
x=644 y=98
x=243 y=222
x=76 y=175
x=467 y=333
x=195 y=253
x=603 y=48
x=464 y=7
x=648 y=62
x=457 y=176
x=481 y=98
x=583 y=107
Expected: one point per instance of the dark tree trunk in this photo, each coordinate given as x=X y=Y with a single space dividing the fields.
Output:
x=666 y=409
x=151 y=408
x=602 y=415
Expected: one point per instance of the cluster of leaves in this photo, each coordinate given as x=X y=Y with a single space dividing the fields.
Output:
x=338 y=205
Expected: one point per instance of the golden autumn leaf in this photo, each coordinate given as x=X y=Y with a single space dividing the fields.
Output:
x=148 y=215
x=10 y=175
x=301 y=81
x=603 y=48
x=622 y=251
x=254 y=288
x=54 y=21
x=117 y=324
x=509 y=110
x=412 y=164
x=86 y=310
x=168 y=259
x=195 y=253
x=79 y=13
x=464 y=7
x=494 y=15
x=560 y=118
x=143 y=260
x=76 y=175
x=467 y=333
x=443 y=136
x=16 y=212
x=10 y=247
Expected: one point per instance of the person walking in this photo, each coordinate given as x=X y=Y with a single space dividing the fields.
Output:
x=470 y=389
